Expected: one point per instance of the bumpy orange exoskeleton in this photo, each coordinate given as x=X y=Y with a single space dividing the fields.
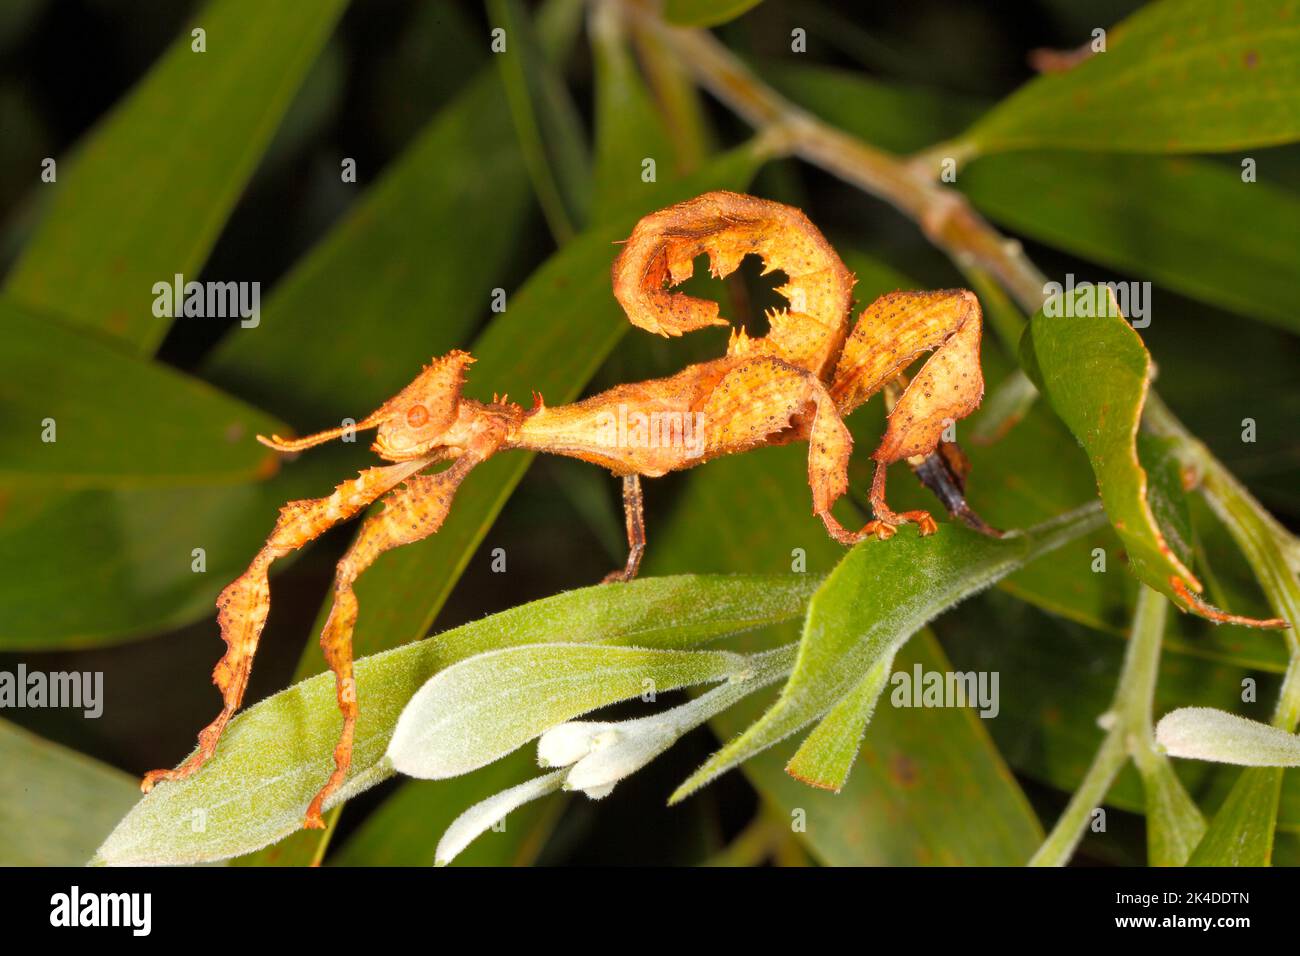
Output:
x=794 y=384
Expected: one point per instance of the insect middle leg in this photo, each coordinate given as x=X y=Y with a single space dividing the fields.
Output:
x=414 y=511
x=634 y=516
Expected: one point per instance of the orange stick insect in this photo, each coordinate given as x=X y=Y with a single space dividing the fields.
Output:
x=797 y=383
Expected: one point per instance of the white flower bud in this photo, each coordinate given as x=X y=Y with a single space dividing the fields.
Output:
x=568 y=743
x=627 y=748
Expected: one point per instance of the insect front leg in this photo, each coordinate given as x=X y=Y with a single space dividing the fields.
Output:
x=244 y=604
x=414 y=511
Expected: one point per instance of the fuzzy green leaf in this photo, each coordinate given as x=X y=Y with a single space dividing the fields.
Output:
x=277 y=754
x=1203 y=733
x=881 y=594
x=826 y=756
x=487 y=706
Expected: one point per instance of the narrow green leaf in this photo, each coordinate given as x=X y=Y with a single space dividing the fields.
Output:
x=1189 y=225
x=145 y=196
x=483 y=708
x=277 y=754
x=56 y=805
x=1241 y=832
x=629 y=130
x=705 y=13
x=1204 y=733
x=546 y=121
x=826 y=756
x=1179 y=76
x=83 y=413
x=881 y=594
x=1174 y=823
x=405 y=275
x=1095 y=372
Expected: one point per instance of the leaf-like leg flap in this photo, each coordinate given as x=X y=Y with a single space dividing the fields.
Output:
x=243 y=606
x=947 y=388
x=895 y=330
x=414 y=511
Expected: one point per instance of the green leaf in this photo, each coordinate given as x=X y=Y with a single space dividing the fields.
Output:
x=546 y=121
x=1190 y=225
x=1174 y=824
x=920 y=772
x=487 y=706
x=1241 y=833
x=55 y=804
x=1204 y=733
x=1179 y=76
x=881 y=594
x=628 y=127
x=104 y=405
x=145 y=196
x=705 y=13
x=1095 y=371
x=277 y=754
x=826 y=756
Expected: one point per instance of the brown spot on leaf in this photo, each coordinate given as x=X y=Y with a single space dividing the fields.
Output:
x=903 y=771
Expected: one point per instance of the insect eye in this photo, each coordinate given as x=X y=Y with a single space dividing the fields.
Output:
x=417 y=416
